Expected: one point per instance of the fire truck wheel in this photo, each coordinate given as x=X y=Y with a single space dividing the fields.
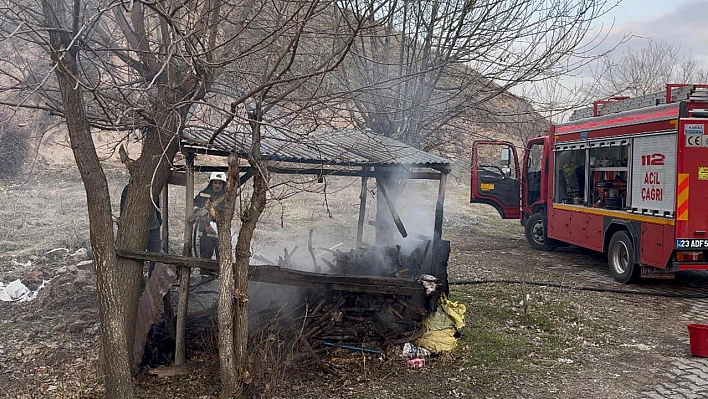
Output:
x=620 y=258
x=535 y=233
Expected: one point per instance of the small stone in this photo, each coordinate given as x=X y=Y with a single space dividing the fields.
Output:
x=56 y=254
x=79 y=254
x=85 y=265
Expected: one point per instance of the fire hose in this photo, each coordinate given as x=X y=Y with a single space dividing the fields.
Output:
x=581 y=288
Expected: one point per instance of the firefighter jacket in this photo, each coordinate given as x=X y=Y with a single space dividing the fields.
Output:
x=199 y=203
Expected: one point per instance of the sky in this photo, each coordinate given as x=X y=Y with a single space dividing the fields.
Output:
x=682 y=22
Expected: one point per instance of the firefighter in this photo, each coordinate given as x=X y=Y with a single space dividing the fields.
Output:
x=208 y=241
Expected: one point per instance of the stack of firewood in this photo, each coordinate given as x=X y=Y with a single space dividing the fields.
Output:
x=364 y=321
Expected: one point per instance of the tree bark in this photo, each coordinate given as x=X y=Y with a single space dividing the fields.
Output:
x=111 y=296
x=148 y=175
x=223 y=212
x=249 y=219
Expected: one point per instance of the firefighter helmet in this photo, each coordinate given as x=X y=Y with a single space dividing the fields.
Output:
x=218 y=176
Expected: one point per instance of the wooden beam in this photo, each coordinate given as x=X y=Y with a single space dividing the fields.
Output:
x=362 y=207
x=176 y=260
x=356 y=173
x=247 y=172
x=365 y=171
x=336 y=282
x=165 y=210
x=184 y=272
x=392 y=207
x=437 y=227
x=277 y=275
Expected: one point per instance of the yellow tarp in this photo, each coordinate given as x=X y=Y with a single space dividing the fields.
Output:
x=442 y=325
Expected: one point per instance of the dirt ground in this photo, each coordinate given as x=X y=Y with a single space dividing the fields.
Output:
x=610 y=340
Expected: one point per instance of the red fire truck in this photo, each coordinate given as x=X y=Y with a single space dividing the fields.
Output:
x=627 y=177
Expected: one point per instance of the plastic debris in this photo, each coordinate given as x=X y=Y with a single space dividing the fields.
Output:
x=411 y=351
x=3 y=295
x=442 y=326
x=416 y=363
x=16 y=290
x=430 y=283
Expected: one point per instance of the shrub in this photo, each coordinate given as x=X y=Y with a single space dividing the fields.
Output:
x=14 y=147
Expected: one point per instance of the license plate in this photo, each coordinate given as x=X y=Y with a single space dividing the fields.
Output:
x=685 y=243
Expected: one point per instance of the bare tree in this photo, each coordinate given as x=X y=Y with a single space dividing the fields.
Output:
x=645 y=69
x=286 y=91
x=435 y=65
x=148 y=67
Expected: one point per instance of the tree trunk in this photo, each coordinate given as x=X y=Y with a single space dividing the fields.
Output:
x=223 y=211
x=249 y=219
x=148 y=176
x=110 y=290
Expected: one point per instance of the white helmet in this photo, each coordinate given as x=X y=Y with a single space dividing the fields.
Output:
x=218 y=176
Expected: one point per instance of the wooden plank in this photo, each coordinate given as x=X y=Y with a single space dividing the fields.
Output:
x=165 y=227
x=392 y=207
x=337 y=282
x=362 y=208
x=437 y=227
x=277 y=275
x=161 y=280
x=185 y=261
x=184 y=272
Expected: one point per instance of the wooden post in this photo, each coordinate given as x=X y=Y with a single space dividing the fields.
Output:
x=184 y=272
x=362 y=208
x=164 y=208
x=437 y=228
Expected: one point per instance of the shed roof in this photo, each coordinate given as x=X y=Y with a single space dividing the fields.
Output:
x=347 y=147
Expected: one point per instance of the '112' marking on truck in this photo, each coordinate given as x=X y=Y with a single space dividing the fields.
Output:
x=653 y=160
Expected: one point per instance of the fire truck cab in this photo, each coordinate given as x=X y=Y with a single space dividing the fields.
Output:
x=626 y=177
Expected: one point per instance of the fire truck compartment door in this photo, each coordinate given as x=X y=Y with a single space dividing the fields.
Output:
x=692 y=185
x=495 y=177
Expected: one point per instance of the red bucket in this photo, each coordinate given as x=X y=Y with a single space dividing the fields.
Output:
x=698 y=336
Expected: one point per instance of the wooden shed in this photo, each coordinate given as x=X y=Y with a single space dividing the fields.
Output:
x=321 y=153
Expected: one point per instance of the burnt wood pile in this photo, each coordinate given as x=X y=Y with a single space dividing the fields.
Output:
x=388 y=261
x=368 y=321
x=367 y=299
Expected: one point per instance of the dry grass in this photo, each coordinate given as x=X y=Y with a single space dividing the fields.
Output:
x=41 y=213
x=507 y=350
x=46 y=210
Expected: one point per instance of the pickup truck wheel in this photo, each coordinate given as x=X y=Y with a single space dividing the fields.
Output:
x=536 y=233
x=620 y=258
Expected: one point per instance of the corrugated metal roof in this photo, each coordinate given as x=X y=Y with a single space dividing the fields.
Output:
x=329 y=147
